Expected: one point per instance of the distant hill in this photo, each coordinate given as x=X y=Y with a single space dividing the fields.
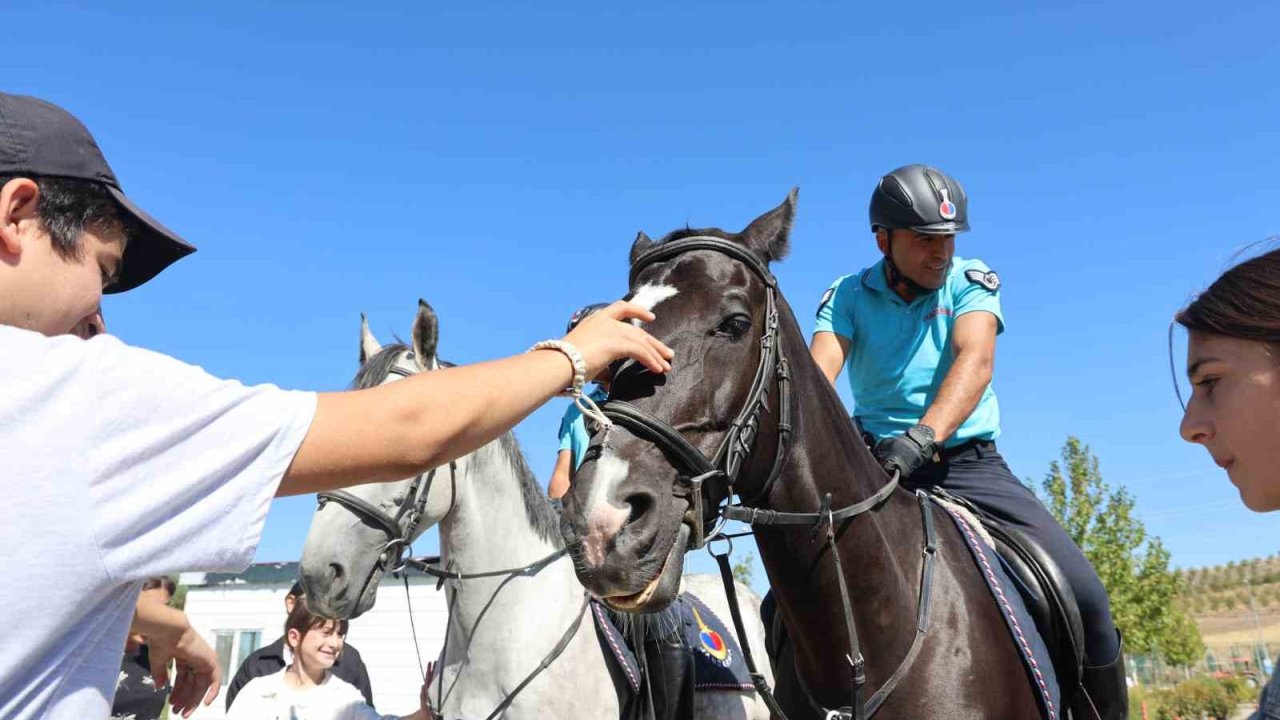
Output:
x=1220 y=590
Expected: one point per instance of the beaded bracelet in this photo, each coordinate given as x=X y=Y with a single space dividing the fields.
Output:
x=575 y=357
x=583 y=401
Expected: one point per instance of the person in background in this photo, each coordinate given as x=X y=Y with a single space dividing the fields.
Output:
x=138 y=696
x=1233 y=364
x=273 y=658
x=307 y=689
x=574 y=437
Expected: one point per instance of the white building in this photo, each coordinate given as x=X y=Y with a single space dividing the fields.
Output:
x=238 y=613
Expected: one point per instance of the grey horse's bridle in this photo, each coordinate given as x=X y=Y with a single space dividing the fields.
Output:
x=399 y=532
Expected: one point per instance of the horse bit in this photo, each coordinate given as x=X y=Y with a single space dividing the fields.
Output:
x=694 y=469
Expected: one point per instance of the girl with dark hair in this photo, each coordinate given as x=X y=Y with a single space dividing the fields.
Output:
x=1233 y=363
x=307 y=689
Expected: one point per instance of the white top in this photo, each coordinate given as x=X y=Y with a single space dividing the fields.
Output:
x=270 y=698
x=117 y=464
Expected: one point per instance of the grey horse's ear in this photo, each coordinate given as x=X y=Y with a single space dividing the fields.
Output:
x=770 y=233
x=641 y=244
x=426 y=334
x=369 y=345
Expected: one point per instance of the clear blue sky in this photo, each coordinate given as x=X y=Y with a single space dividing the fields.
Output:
x=497 y=160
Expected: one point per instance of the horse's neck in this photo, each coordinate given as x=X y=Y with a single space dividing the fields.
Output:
x=881 y=547
x=499 y=632
x=489 y=527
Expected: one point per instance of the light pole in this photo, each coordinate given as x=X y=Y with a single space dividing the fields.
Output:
x=1264 y=660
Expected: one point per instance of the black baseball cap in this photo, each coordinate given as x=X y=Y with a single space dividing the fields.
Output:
x=43 y=140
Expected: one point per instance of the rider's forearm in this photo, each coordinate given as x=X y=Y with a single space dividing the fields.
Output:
x=403 y=428
x=961 y=390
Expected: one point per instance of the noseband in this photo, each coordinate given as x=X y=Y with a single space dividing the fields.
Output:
x=393 y=555
x=694 y=468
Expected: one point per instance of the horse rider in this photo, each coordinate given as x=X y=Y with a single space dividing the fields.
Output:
x=917 y=331
x=120 y=463
x=574 y=437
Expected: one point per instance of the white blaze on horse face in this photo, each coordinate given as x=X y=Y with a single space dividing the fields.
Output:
x=604 y=520
x=649 y=295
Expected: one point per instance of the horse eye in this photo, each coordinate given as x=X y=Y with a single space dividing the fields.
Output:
x=734 y=326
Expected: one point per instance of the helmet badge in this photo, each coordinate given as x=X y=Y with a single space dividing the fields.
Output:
x=947 y=208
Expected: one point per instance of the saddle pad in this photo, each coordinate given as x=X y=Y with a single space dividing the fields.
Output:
x=717 y=657
x=619 y=650
x=1035 y=655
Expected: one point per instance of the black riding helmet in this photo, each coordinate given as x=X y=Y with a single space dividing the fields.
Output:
x=581 y=314
x=920 y=198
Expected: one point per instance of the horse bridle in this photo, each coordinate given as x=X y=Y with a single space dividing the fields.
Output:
x=393 y=554
x=694 y=468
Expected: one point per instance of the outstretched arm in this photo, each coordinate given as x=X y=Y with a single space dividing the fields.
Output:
x=400 y=429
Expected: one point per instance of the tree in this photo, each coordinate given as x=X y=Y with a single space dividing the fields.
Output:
x=742 y=569
x=1134 y=568
x=1181 y=643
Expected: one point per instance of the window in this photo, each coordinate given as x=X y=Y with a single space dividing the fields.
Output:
x=250 y=640
x=223 y=641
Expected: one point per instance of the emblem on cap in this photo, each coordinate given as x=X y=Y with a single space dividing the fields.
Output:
x=947 y=209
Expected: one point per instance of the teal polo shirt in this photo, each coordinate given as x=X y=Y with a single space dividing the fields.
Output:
x=899 y=352
x=573 y=428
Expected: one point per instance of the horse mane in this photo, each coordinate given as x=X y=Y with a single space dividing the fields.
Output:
x=688 y=232
x=543 y=516
x=375 y=369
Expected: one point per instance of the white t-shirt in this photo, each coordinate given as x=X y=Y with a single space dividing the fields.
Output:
x=117 y=464
x=270 y=698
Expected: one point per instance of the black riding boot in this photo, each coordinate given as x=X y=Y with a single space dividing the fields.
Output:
x=669 y=678
x=1105 y=694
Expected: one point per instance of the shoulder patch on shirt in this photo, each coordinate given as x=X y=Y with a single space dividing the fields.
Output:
x=826 y=298
x=988 y=280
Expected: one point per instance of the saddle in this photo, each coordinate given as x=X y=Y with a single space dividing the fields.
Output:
x=1044 y=590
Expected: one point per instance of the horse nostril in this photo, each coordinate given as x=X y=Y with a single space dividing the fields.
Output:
x=336 y=570
x=639 y=504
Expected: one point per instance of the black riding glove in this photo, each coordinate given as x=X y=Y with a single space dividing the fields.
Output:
x=907 y=452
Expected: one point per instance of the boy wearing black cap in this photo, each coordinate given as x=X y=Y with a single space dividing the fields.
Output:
x=119 y=463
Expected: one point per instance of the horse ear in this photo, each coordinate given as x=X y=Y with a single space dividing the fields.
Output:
x=641 y=244
x=426 y=334
x=770 y=233
x=369 y=345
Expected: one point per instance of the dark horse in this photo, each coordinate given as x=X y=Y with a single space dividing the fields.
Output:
x=633 y=509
